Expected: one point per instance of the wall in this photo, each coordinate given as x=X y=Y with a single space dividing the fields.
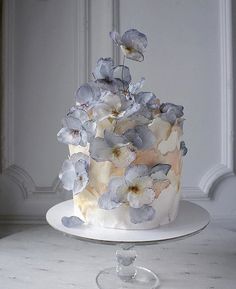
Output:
x=51 y=48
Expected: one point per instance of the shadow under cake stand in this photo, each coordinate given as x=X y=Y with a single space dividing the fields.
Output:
x=191 y=220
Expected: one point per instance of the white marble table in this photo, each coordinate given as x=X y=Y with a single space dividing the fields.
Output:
x=41 y=257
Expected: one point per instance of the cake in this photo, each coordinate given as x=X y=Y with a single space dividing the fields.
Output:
x=126 y=147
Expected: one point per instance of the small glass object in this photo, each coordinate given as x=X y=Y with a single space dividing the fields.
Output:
x=126 y=275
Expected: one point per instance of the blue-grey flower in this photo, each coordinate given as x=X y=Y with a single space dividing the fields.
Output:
x=87 y=95
x=143 y=214
x=132 y=43
x=103 y=74
x=122 y=76
x=135 y=87
x=74 y=173
x=77 y=128
x=170 y=112
x=112 y=148
x=72 y=221
x=183 y=148
x=141 y=137
x=148 y=99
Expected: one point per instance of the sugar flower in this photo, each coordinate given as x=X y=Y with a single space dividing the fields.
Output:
x=136 y=190
x=112 y=148
x=87 y=95
x=77 y=128
x=74 y=173
x=141 y=137
x=132 y=43
x=72 y=221
x=170 y=112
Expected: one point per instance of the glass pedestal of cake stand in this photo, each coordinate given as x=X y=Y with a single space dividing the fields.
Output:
x=191 y=220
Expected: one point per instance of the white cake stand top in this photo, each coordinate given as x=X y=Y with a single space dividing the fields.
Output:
x=191 y=219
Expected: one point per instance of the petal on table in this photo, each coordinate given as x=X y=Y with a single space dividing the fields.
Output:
x=140 y=215
x=72 y=221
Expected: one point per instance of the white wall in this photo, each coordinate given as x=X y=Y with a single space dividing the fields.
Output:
x=52 y=45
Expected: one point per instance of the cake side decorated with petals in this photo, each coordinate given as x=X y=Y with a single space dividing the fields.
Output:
x=126 y=147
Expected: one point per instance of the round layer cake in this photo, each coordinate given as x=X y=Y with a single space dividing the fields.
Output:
x=125 y=147
x=167 y=149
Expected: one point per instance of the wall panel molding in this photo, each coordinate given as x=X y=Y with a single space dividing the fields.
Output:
x=205 y=188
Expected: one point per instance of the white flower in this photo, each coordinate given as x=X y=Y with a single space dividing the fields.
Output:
x=112 y=148
x=132 y=43
x=77 y=128
x=74 y=173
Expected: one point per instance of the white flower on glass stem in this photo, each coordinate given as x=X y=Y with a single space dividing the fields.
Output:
x=77 y=128
x=112 y=148
x=132 y=43
x=74 y=173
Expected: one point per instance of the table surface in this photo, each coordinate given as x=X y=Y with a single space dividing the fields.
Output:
x=191 y=219
x=41 y=257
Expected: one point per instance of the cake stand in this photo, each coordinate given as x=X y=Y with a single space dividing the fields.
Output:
x=191 y=220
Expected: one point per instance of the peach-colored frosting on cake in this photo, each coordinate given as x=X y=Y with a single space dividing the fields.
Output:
x=166 y=150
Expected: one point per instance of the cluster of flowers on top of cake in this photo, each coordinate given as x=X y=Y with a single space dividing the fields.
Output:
x=113 y=98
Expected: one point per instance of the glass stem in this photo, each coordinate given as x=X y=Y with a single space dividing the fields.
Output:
x=125 y=267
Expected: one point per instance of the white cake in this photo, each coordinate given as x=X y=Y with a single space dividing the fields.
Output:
x=125 y=148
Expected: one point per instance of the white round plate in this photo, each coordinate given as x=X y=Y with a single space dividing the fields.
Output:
x=190 y=220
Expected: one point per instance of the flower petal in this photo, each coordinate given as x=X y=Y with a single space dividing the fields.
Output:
x=122 y=73
x=68 y=136
x=80 y=183
x=78 y=157
x=115 y=36
x=113 y=139
x=136 y=171
x=87 y=94
x=105 y=202
x=141 y=137
x=143 y=198
x=76 y=112
x=122 y=156
x=140 y=215
x=183 y=148
x=90 y=128
x=71 y=222
x=134 y=87
x=68 y=179
x=164 y=168
x=103 y=69
x=133 y=38
x=100 y=150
